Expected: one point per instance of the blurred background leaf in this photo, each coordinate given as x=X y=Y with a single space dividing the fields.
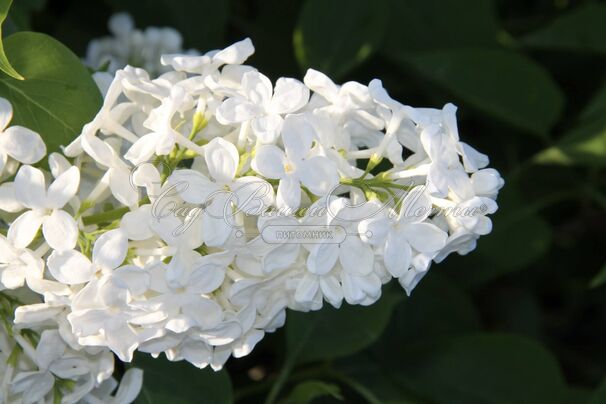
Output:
x=333 y=39
x=582 y=29
x=58 y=96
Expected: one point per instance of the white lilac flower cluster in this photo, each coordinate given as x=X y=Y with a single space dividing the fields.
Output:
x=199 y=205
x=131 y=46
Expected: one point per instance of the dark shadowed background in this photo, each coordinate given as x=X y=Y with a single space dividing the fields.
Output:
x=520 y=320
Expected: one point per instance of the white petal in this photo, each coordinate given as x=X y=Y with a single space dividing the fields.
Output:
x=235 y=54
x=416 y=206
x=192 y=186
x=33 y=385
x=63 y=188
x=35 y=313
x=257 y=88
x=397 y=254
x=253 y=195
x=473 y=160
x=280 y=257
x=122 y=188
x=321 y=84
x=356 y=257
x=222 y=159
x=290 y=95
x=23 y=230
x=206 y=312
x=50 y=348
x=110 y=249
x=216 y=230
x=136 y=223
x=319 y=175
x=267 y=128
x=99 y=150
x=235 y=110
x=23 y=144
x=374 y=230
x=289 y=193
x=60 y=230
x=121 y=339
x=269 y=161
x=297 y=135
x=352 y=292
x=143 y=149
x=322 y=258
x=307 y=289
x=58 y=164
x=8 y=200
x=208 y=272
x=130 y=386
x=136 y=279
x=6 y=113
x=30 y=187
x=425 y=237
x=331 y=289
x=70 y=267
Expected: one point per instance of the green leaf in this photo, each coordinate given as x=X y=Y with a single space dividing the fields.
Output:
x=584 y=145
x=59 y=95
x=503 y=84
x=338 y=333
x=181 y=383
x=309 y=390
x=201 y=22
x=582 y=29
x=334 y=37
x=5 y=65
x=418 y=25
x=484 y=368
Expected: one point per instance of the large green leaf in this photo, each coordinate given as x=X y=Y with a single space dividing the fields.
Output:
x=58 y=96
x=484 y=368
x=181 y=383
x=582 y=29
x=201 y=22
x=334 y=37
x=5 y=65
x=503 y=84
x=585 y=144
x=331 y=333
x=420 y=25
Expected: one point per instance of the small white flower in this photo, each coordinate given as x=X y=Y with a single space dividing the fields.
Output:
x=59 y=228
x=409 y=230
x=295 y=165
x=71 y=267
x=262 y=105
x=17 y=265
x=221 y=191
